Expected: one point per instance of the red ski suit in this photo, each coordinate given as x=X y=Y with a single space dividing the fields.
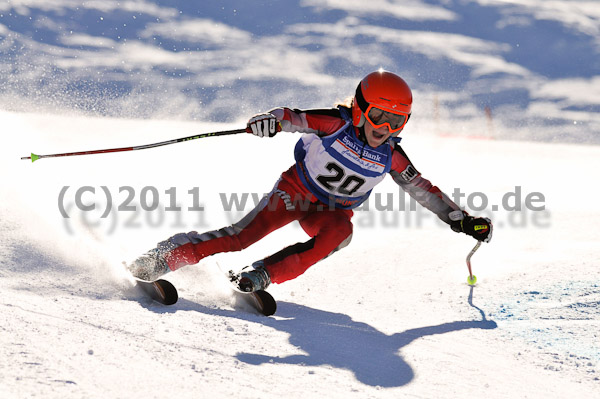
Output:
x=327 y=223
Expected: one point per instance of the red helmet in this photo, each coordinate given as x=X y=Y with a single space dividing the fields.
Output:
x=382 y=98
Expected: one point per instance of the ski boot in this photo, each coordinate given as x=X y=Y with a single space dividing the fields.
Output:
x=254 y=278
x=150 y=266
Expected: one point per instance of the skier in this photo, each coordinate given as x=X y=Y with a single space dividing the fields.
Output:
x=343 y=154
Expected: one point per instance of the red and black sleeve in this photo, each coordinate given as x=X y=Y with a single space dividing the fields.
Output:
x=316 y=121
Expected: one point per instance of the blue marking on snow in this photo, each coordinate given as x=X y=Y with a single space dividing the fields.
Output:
x=562 y=319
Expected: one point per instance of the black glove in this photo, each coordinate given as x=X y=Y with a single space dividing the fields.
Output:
x=478 y=228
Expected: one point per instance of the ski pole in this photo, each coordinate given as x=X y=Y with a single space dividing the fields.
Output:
x=471 y=280
x=35 y=157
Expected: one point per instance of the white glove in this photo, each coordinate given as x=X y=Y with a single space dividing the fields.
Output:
x=263 y=125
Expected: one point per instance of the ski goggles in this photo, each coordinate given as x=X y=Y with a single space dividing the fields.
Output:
x=379 y=118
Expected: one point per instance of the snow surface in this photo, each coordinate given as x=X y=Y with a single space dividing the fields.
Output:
x=389 y=316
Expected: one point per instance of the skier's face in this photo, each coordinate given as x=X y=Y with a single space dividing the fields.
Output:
x=376 y=137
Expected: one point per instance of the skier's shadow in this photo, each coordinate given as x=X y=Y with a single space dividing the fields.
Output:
x=336 y=340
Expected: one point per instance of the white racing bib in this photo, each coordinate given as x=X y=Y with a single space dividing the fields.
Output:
x=340 y=169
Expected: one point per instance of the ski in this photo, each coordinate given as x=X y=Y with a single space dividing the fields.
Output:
x=160 y=291
x=260 y=300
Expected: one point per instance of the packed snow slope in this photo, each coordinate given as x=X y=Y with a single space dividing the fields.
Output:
x=390 y=316
x=534 y=64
